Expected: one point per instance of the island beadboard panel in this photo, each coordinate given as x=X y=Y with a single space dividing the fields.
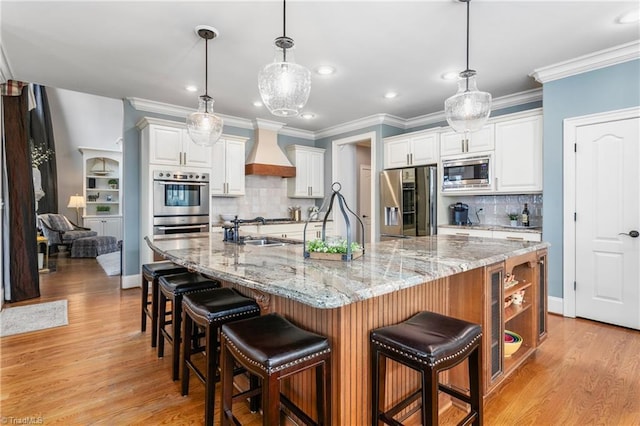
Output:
x=348 y=330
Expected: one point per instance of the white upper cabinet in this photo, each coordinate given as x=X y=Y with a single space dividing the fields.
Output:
x=518 y=156
x=227 y=174
x=309 y=164
x=453 y=143
x=170 y=145
x=411 y=149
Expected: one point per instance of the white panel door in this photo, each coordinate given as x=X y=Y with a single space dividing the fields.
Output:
x=608 y=215
x=425 y=149
x=519 y=155
x=396 y=153
x=234 y=164
x=195 y=155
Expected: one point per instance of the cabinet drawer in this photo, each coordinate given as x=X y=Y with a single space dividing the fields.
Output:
x=518 y=236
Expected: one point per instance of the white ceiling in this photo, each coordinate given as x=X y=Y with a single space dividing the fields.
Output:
x=149 y=50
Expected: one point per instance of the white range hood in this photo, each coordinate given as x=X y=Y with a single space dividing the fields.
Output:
x=266 y=157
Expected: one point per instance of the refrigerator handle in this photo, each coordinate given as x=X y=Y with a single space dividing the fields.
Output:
x=433 y=201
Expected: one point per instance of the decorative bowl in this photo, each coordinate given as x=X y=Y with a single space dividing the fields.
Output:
x=512 y=342
x=226 y=217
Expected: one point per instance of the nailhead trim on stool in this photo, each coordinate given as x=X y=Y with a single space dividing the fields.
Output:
x=152 y=272
x=210 y=310
x=174 y=287
x=429 y=343
x=272 y=348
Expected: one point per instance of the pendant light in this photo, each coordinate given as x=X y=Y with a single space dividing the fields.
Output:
x=284 y=85
x=203 y=126
x=469 y=108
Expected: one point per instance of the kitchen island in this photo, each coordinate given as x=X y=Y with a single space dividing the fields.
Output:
x=457 y=276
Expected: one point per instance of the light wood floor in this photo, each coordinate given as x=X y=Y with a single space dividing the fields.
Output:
x=100 y=369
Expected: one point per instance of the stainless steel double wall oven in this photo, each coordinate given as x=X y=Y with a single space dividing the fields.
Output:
x=180 y=202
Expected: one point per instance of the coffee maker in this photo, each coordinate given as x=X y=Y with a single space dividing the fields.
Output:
x=459 y=214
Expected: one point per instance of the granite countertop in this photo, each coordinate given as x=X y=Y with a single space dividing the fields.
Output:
x=385 y=267
x=279 y=221
x=506 y=228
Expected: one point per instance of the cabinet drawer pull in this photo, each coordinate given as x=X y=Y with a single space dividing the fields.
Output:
x=515 y=238
x=464 y=234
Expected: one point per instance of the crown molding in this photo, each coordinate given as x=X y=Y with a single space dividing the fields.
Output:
x=592 y=61
x=515 y=99
x=179 y=111
x=5 y=69
x=359 y=124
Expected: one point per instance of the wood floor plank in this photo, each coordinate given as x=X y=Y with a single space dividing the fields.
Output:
x=100 y=369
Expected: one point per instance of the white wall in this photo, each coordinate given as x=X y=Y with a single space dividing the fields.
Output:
x=80 y=119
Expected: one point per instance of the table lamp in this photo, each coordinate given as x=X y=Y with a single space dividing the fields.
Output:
x=77 y=201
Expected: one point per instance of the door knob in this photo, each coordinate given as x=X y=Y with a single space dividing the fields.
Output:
x=632 y=234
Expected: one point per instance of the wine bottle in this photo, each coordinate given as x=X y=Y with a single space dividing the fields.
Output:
x=525 y=215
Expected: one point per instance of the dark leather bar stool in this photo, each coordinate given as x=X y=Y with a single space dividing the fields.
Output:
x=429 y=343
x=272 y=348
x=152 y=272
x=209 y=310
x=173 y=288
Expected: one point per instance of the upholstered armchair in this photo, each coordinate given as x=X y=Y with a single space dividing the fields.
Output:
x=61 y=231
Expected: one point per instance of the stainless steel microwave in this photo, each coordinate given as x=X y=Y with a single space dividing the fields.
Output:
x=466 y=173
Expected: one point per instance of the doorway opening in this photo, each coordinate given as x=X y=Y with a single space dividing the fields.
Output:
x=354 y=166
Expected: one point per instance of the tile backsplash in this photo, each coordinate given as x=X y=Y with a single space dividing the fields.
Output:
x=495 y=208
x=265 y=196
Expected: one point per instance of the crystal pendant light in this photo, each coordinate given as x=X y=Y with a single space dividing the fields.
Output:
x=284 y=85
x=469 y=108
x=203 y=126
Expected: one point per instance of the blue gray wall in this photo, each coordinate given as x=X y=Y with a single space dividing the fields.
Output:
x=602 y=90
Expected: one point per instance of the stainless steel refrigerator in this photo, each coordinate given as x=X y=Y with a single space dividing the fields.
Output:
x=408 y=201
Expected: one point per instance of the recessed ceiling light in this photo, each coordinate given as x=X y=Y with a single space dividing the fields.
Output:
x=191 y=89
x=307 y=115
x=390 y=95
x=629 y=17
x=257 y=104
x=325 y=70
x=451 y=75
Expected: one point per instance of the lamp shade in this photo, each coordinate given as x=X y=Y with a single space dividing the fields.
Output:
x=76 y=202
x=284 y=85
x=469 y=109
x=203 y=126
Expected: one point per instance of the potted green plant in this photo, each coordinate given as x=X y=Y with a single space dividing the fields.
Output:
x=103 y=209
x=513 y=218
x=332 y=249
x=113 y=183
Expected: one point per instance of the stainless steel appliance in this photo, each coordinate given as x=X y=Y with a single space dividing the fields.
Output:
x=459 y=214
x=180 y=202
x=408 y=201
x=466 y=173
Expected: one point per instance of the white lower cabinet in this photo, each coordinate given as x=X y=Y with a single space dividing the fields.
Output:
x=492 y=233
x=294 y=231
x=108 y=226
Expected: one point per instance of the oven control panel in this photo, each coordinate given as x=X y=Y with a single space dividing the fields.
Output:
x=182 y=176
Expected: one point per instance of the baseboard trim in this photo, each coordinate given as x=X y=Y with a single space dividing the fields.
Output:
x=555 y=305
x=130 y=281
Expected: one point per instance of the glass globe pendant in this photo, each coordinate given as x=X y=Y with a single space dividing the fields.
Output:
x=469 y=108
x=203 y=126
x=284 y=85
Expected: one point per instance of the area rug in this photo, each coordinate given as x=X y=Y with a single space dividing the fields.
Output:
x=40 y=316
x=110 y=263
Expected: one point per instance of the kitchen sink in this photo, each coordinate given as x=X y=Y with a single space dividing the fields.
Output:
x=264 y=242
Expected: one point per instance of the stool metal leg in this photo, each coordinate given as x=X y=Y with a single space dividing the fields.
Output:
x=176 y=320
x=475 y=384
x=145 y=296
x=187 y=327
x=162 y=319
x=154 y=313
